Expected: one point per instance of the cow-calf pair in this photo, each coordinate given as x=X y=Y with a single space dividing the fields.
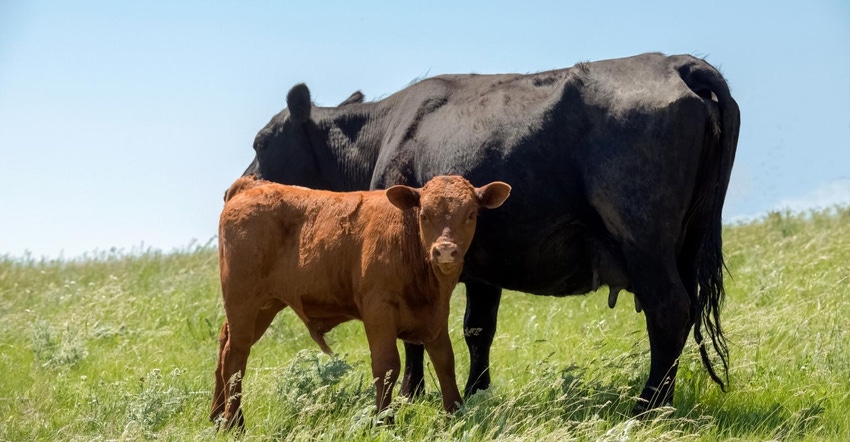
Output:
x=389 y=258
x=620 y=170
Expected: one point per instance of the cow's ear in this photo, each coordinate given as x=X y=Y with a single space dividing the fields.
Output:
x=403 y=197
x=355 y=98
x=493 y=195
x=299 y=104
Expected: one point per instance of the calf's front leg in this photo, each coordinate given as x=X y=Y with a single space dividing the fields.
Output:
x=443 y=358
x=381 y=334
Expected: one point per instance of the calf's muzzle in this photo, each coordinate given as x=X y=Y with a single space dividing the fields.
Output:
x=444 y=252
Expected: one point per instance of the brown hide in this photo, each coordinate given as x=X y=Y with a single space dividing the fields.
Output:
x=246 y=182
x=389 y=258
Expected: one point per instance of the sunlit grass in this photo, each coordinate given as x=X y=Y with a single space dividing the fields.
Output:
x=123 y=346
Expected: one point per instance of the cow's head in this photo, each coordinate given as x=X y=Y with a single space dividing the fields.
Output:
x=448 y=211
x=284 y=147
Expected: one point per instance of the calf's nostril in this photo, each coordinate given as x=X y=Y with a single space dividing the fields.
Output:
x=454 y=253
x=436 y=252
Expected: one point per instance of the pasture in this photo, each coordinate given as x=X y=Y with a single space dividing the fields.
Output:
x=123 y=346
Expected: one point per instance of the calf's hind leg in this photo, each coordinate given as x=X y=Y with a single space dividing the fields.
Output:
x=218 y=395
x=238 y=334
x=232 y=362
x=265 y=317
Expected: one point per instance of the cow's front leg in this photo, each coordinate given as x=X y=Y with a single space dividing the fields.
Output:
x=413 y=381
x=479 y=328
x=443 y=358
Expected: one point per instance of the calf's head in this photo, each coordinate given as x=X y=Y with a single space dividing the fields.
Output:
x=448 y=211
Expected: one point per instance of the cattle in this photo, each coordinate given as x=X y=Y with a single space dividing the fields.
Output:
x=388 y=258
x=619 y=168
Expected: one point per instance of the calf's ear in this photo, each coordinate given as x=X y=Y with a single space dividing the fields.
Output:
x=493 y=195
x=299 y=104
x=403 y=197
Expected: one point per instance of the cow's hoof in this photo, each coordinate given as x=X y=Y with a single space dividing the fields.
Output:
x=411 y=388
x=481 y=383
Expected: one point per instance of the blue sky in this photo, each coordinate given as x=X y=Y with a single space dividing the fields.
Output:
x=122 y=123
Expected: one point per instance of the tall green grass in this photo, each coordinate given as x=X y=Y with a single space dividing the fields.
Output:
x=123 y=347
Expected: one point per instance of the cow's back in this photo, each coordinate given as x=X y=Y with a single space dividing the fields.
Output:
x=583 y=148
x=509 y=127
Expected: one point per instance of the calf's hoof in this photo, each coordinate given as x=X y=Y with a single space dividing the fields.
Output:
x=385 y=420
x=235 y=424
x=453 y=406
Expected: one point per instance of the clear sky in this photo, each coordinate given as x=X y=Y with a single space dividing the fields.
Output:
x=122 y=123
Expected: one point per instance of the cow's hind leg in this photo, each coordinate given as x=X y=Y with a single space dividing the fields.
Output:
x=479 y=328
x=667 y=308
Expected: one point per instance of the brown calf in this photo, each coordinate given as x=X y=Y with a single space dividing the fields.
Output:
x=389 y=258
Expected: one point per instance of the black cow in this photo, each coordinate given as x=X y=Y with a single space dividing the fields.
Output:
x=619 y=170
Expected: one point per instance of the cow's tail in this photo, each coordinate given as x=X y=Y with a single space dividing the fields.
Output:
x=242 y=183
x=704 y=215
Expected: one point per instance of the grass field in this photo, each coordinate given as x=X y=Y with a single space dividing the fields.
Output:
x=123 y=347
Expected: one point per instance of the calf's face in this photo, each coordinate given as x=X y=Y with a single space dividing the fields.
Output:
x=448 y=212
